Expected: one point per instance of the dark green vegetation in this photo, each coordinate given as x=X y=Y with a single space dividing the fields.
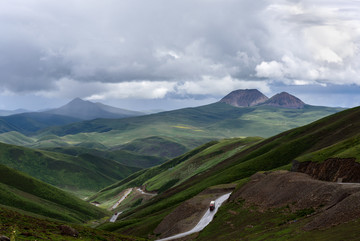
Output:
x=29 y=123
x=26 y=193
x=273 y=153
x=177 y=170
x=185 y=128
x=76 y=173
x=19 y=225
x=124 y=157
x=154 y=146
x=215 y=117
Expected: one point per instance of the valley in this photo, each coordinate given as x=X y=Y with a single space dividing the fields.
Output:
x=156 y=174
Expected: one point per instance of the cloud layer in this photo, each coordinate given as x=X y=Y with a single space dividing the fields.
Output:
x=152 y=49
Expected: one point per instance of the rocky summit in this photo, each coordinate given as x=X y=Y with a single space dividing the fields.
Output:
x=244 y=98
x=285 y=100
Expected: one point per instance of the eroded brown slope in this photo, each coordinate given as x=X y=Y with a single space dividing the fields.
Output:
x=333 y=203
x=332 y=169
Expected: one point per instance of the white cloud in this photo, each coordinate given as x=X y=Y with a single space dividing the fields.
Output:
x=71 y=88
x=219 y=86
x=137 y=49
x=272 y=69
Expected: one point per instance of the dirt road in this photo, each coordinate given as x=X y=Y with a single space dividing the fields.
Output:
x=126 y=193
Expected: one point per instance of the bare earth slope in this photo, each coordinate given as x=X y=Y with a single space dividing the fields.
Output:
x=333 y=203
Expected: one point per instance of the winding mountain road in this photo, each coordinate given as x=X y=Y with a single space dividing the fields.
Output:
x=204 y=221
x=145 y=193
x=126 y=193
x=114 y=217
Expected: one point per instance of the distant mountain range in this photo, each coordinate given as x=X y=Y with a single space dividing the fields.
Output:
x=12 y=112
x=253 y=97
x=179 y=130
x=75 y=111
x=87 y=110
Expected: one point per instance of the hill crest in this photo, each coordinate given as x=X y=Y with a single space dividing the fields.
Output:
x=244 y=98
x=88 y=110
x=253 y=97
x=285 y=100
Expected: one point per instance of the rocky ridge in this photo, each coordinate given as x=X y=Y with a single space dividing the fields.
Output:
x=253 y=97
x=285 y=100
x=244 y=98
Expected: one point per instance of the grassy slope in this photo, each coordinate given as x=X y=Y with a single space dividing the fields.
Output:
x=139 y=178
x=127 y=158
x=85 y=172
x=198 y=163
x=180 y=130
x=28 y=123
x=271 y=153
x=343 y=149
x=26 y=193
x=19 y=225
x=190 y=126
x=155 y=146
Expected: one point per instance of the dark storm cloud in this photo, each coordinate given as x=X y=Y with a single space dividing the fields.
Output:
x=128 y=40
x=174 y=48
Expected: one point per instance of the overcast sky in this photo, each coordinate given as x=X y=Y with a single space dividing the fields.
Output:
x=163 y=54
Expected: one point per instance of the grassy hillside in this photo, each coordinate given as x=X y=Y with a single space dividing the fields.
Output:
x=127 y=158
x=83 y=172
x=209 y=117
x=29 y=123
x=179 y=130
x=26 y=193
x=140 y=177
x=272 y=153
x=19 y=225
x=154 y=146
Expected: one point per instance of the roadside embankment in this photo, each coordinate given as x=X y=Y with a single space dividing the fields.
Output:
x=332 y=203
x=332 y=169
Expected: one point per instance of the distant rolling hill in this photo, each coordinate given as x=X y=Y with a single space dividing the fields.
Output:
x=29 y=123
x=82 y=173
x=12 y=112
x=191 y=126
x=87 y=110
x=180 y=130
x=124 y=157
x=154 y=146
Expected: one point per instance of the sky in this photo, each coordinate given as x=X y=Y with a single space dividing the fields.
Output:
x=161 y=54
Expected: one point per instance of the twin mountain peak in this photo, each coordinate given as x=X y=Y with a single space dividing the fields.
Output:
x=253 y=97
x=87 y=110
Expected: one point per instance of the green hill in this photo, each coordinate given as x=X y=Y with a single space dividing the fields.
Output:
x=26 y=193
x=124 y=157
x=339 y=130
x=184 y=128
x=19 y=225
x=29 y=123
x=76 y=173
x=179 y=130
x=154 y=146
x=217 y=116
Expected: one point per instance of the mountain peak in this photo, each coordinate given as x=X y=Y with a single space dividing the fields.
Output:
x=87 y=110
x=244 y=98
x=285 y=100
x=77 y=100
